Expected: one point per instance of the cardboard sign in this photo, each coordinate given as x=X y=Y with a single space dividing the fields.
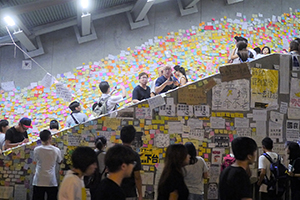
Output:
x=234 y=72
x=191 y=96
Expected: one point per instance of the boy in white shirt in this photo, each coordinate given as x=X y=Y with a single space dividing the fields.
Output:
x=47 y=157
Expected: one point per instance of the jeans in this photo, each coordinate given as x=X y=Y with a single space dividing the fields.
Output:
x=195 y=197
x=39 y=193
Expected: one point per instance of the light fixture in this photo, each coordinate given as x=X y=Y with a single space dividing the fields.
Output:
x=9 y=21
x=84 y=4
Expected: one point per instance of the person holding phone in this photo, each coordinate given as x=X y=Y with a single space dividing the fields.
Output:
x=166 y=82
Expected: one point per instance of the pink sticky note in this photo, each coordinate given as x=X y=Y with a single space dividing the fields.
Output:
x=205 y=155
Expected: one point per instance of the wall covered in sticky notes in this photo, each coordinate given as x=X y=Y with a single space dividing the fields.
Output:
x=210 y=126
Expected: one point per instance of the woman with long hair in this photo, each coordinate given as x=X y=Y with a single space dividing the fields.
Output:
x=293 y=150
x=171 y=184
x=181 y=75
x=196 y=171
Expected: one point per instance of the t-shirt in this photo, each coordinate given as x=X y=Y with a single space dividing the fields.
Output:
x=140 y=93
x=72 y=188
x=15 y=136
x=112 y=102
x=163 y=79
x=101 y=164
x=295 y=181
x=234 y=184
x=128 y=184
x=46 y=157
x=109 y=190
x=80 y=117
x=194 y=176
x=175 y=182
x=264 y=163
x=2 y=140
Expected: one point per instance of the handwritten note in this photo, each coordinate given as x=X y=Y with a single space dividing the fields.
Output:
x=217 y=122
x=234 y=72
x=156 y=101
x=184 y=110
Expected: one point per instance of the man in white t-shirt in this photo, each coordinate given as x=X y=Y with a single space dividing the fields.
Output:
x=84 y=162
x=47 y=157
x=111 y=101
x=264 y=167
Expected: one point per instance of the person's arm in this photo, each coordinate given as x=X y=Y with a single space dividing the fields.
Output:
x=182 y=81
x=262 y=165
x=261 y=176
x=158 y=89
x=8 y=144
x=173 y=195
x=123 y=91
x=135 y=96
x=233 y=54
x=205 y=175
x=68 y=121
x=59 y=158
x=138 y=183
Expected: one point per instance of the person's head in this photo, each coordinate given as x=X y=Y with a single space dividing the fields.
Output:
x=160 y=71
x=104 y=87
x=294 y=45
x=192 y=152
x=84 y=159
x=293 y=150
x=54 y=124
x=45 y=136
x=176 y=67
x=75 y=106
x=120 y=158
x=257 y=50
x=100 y=142
x=143 y=78
x=244 y=149
x=128 y=134
x=267 y=144
x=266 y=50
x=240 y=39
x=25 y=124
x=167 y=71
x=241 y=45
x=3 y=125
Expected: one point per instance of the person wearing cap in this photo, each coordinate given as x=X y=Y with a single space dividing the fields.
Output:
x=76 y=117
x=17 y=134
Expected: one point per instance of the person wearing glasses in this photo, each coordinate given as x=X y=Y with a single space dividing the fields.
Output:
x=120 y=162
x=142 y=91
x=17 y=134
x=166 y=82
x=133 y=183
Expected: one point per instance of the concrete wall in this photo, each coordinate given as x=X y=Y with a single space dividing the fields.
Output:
x=63 y=53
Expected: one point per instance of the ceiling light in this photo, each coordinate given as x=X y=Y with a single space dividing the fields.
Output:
x=9 y=21
x=84 y=4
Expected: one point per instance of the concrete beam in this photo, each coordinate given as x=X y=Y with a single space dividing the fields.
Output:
x=87 y=38
x=189 y=3
x=140 y=9
x=187 y=7
x=25 y=41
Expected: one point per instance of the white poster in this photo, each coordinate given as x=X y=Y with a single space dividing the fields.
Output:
x=276 y=117
x=295 y=93
x=241 y=122
x=162 y=140
x=217 y=122
x=74 y=140
x=232 y=95
x=292 y=130
x=197 y=134
x=195 y=123
x=283 y=107
x=201 y=111
x=167 y=110
x=275 y=131
x=243 y=132
x=184 y=110
x=143 y=113
x=175 y=127
x=293 y=113
x=259 y=115
x=156 y=101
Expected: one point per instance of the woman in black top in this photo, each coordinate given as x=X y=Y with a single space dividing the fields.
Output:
x=293 y=150
x=171 y=184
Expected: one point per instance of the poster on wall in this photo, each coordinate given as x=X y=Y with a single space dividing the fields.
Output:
x=184 y=110
x=231 y=96
x=201 y=111
x=167 y=110
x=292 y=130
x=295 y=93
x=275 y=131
x=264 y=87
x=143 y=113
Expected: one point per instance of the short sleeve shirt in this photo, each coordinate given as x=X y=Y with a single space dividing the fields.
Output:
x=234 y=184
x=163 y=79
x=109 y=190
x=15 y=136
x=112 y=101
x=140 y=93
x=128 y=184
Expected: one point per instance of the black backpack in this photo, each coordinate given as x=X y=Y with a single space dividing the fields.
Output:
x=277 y=184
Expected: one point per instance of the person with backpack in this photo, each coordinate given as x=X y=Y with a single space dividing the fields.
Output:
x=267 y=180
x=293 y=150
x=108 y=103
x=76 y=116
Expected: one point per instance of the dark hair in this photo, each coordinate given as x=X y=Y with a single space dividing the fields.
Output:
x=54 y=124
x=176 y=67
x=142 y=74
x=83 y=157
x=3 y=123
x=192 y=152
x=267 y=143
x=266 y=47
x=100 y=142
x=240 y=39
x=117 y=155
x=294 y=45
x=174 y=160
x=128 y=134
x=104 y=86
x=242 y=147
x=241 y=45
x=74 y=105
x=294 y=150
x=182 y=70
x=45 y=135
x=257 y=50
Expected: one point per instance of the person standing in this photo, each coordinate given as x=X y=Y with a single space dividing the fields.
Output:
x=142 y=91
x=54 y=126
x=134 y=182
x=3 y=128
x=234 y=181
x=47 y=157
x=196 y=171
x=17 y=134
x=293 y=150
x=76 y=116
